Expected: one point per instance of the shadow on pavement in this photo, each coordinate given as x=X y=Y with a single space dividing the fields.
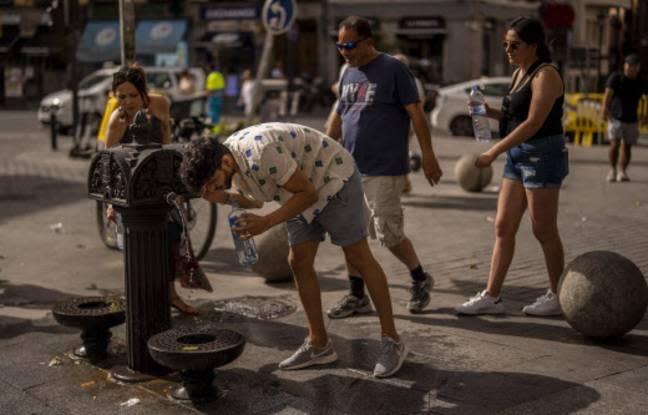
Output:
x=629 y=344
x=455 y=202
x=417 y=387
x=29 y=297
x=25 y=194
x=534 y=329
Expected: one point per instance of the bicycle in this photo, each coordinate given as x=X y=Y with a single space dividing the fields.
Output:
x=198 y=211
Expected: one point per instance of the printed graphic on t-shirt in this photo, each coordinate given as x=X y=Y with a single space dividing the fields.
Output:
x=358 y=93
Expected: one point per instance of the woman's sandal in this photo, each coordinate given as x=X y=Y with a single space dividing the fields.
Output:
x=184 y=308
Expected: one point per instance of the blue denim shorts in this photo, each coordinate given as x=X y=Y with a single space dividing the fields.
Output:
x=542 y=162
x=344 y=218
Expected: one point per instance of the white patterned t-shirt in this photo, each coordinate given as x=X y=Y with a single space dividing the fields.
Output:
x=269 y=154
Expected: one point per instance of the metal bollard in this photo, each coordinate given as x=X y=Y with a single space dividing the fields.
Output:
x=54 y=123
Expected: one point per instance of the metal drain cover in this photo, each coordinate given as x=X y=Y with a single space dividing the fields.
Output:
x=262 y=308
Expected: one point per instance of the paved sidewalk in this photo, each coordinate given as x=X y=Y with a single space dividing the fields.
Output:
x=474 y=365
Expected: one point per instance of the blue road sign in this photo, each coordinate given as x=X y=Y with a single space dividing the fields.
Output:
x=279 y=15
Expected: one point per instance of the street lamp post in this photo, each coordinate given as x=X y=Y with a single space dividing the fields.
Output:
x=71 y=20
x=127 y=30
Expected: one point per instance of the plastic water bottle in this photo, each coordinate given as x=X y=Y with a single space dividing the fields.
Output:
x=478 y=113
x=245 y=249
x=120 y=232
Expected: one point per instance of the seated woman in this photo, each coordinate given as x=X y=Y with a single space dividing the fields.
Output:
x=129 y=87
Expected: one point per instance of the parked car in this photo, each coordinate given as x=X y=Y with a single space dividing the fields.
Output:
x=94 y=89
x=451 y=110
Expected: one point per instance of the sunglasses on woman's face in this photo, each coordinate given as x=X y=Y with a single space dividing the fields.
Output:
x=512 y=45
x=348 y=45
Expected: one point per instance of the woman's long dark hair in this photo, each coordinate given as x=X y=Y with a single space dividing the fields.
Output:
x=531 y=31
x=134 y=74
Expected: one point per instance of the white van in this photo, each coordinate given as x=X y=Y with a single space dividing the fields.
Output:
x=94 y=89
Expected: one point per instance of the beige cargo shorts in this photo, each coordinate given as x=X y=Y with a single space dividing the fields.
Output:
x=383 y=197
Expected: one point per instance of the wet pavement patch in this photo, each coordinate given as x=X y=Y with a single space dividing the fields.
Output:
x=262 y=308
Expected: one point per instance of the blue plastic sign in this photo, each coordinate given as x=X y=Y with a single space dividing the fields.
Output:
x=279 y=15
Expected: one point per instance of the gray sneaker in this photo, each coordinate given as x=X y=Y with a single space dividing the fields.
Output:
x=309 y=355
x=391 y=358
x=350 y=305
x=420 y=292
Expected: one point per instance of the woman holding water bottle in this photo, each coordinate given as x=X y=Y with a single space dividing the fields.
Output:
x=536 y=164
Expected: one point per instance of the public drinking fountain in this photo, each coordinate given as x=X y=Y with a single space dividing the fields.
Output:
x=94 y=316
x=195 y=352
x=139 y=179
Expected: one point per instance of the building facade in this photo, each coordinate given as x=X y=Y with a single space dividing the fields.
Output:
x=451 y=41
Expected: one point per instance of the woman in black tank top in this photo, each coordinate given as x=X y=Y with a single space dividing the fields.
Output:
x=536 y=164
x=129 y=87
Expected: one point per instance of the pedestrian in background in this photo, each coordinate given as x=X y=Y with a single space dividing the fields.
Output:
x=536 y=164
x=187 y=83
x=215 y=89
x=247 y=94
x=378 y=98
x=623 y=91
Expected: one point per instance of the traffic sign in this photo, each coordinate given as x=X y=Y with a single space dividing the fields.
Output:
x=278 y=15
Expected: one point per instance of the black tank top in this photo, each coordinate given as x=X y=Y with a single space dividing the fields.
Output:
x=515 y=108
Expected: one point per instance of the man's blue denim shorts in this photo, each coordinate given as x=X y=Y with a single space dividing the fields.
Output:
x=344 y=218
x=539 y=163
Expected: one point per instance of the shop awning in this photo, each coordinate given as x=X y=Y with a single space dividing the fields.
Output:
x=158 y=36
x=101 y=39
x=226 y=39
x=100 y=42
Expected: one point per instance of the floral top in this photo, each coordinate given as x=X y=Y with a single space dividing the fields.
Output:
x=269 y=154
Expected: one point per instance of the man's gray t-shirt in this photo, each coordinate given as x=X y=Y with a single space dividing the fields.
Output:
x=375 y=124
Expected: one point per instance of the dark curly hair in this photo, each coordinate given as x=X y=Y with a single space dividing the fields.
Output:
x=134 y=74
x=200 y=160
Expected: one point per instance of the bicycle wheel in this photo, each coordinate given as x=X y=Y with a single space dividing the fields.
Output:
x=107 y=228
x=201 y=223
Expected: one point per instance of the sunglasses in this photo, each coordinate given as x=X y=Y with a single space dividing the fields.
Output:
x=348 y=45
x=512 y=45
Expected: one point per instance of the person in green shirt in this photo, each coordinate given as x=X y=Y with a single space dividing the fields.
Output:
x=215 y=88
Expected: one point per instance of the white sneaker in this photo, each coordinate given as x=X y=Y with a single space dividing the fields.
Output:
x=545 y=305
x=622 y=176
x=481 y=303
x=308 y=355
x=611 y=176
x=391 y=357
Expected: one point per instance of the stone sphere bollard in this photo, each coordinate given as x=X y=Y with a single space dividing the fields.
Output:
x=272 y=248
x=471 y=178
x=603 y=294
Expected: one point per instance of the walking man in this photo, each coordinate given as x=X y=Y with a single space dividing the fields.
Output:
x=378 y=98
x=623 y=91
x=320 y=191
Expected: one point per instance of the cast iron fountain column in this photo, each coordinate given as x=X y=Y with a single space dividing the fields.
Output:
x=136 y=178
